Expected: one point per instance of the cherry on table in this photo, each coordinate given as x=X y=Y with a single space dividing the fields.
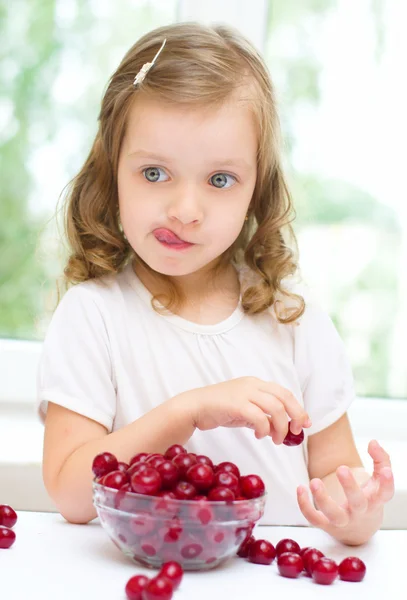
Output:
x=244 y=548
x=135 y=586
x=8 y=516
x=352 y=569
x=7 y=537
x=309 y=557
x=158 y=588
x=173 y=571
x=324 y=571
x=287 y=545
x=261 y=552
x=290 y=564
x=103 y=463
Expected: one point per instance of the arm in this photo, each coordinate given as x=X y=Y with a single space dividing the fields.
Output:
x=72 y=441
x=349 y=502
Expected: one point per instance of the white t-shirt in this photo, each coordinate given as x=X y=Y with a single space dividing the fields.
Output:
x=109 y=356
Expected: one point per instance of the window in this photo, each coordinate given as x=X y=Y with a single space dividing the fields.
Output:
x=336 y=68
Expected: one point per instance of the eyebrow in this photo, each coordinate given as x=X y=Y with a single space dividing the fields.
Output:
x=233 y=162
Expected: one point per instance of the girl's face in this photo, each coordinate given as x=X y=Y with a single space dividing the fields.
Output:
x=185 y=176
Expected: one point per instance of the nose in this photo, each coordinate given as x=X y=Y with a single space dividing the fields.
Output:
x=185 y=206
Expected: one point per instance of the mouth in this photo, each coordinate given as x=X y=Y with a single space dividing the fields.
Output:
x=170 y=239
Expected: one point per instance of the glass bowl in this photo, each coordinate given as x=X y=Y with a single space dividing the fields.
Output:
x=152 y=530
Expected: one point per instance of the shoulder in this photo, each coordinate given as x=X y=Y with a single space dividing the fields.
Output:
x=96 y=293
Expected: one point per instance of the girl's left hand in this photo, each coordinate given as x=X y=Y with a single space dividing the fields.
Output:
x=363 y=502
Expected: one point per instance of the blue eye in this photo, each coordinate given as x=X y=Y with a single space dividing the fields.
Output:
x=220 y=180
x=152 y=174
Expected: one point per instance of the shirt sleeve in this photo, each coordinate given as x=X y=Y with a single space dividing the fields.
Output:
x=75 y=368
x=323 y=367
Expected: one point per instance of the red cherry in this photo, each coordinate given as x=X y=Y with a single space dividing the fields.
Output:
x=135 y=586
x=173 y=571
x=244 y=548
x=7 y=537
x=201 y=476
x=115 y=479
x=184 y=462
x=204 y=460
x=8 y=516
x=159 y=588
x=227 y=479
x=287 y=545
x=293 y=439
x=252 y=486
x=104 y=463
x=229 y=467
x=155 y=461
x=122 y=466
x=184 y=490
x=261 y=552
x=138 y=466
x=324 y=571
x=352 y=569
x=173 y=451
x=140 y=457
x=309 y=556
x=223 y=494
x=290 y=564
x=169 y=473
x=304 y=550
x=147 y=481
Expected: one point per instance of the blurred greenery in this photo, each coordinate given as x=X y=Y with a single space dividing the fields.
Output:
x=28 y=59
x=328 y=205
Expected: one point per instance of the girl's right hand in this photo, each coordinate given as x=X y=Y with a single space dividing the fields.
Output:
x=247 y=402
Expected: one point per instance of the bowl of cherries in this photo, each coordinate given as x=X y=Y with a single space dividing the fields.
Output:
x=176 y=506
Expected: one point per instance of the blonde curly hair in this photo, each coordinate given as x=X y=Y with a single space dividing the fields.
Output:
x=201 y=66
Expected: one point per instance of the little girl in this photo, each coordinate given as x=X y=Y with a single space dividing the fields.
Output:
x=186 y=324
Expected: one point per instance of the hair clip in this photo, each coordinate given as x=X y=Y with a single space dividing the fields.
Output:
x=139 y=78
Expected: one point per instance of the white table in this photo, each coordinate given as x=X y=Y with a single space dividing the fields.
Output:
x=52 y=559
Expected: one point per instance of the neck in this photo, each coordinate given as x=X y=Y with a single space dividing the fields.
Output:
x=196 y=287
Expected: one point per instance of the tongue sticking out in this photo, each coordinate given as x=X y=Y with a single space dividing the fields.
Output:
x=168 y=237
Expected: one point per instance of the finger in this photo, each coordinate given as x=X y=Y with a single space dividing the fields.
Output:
x=385 y=491
x=336 y=515
x=278 y=418
x=299 y=416
x=257 y=420
x=380 y=457
x=314 y=516
x=357 y=501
